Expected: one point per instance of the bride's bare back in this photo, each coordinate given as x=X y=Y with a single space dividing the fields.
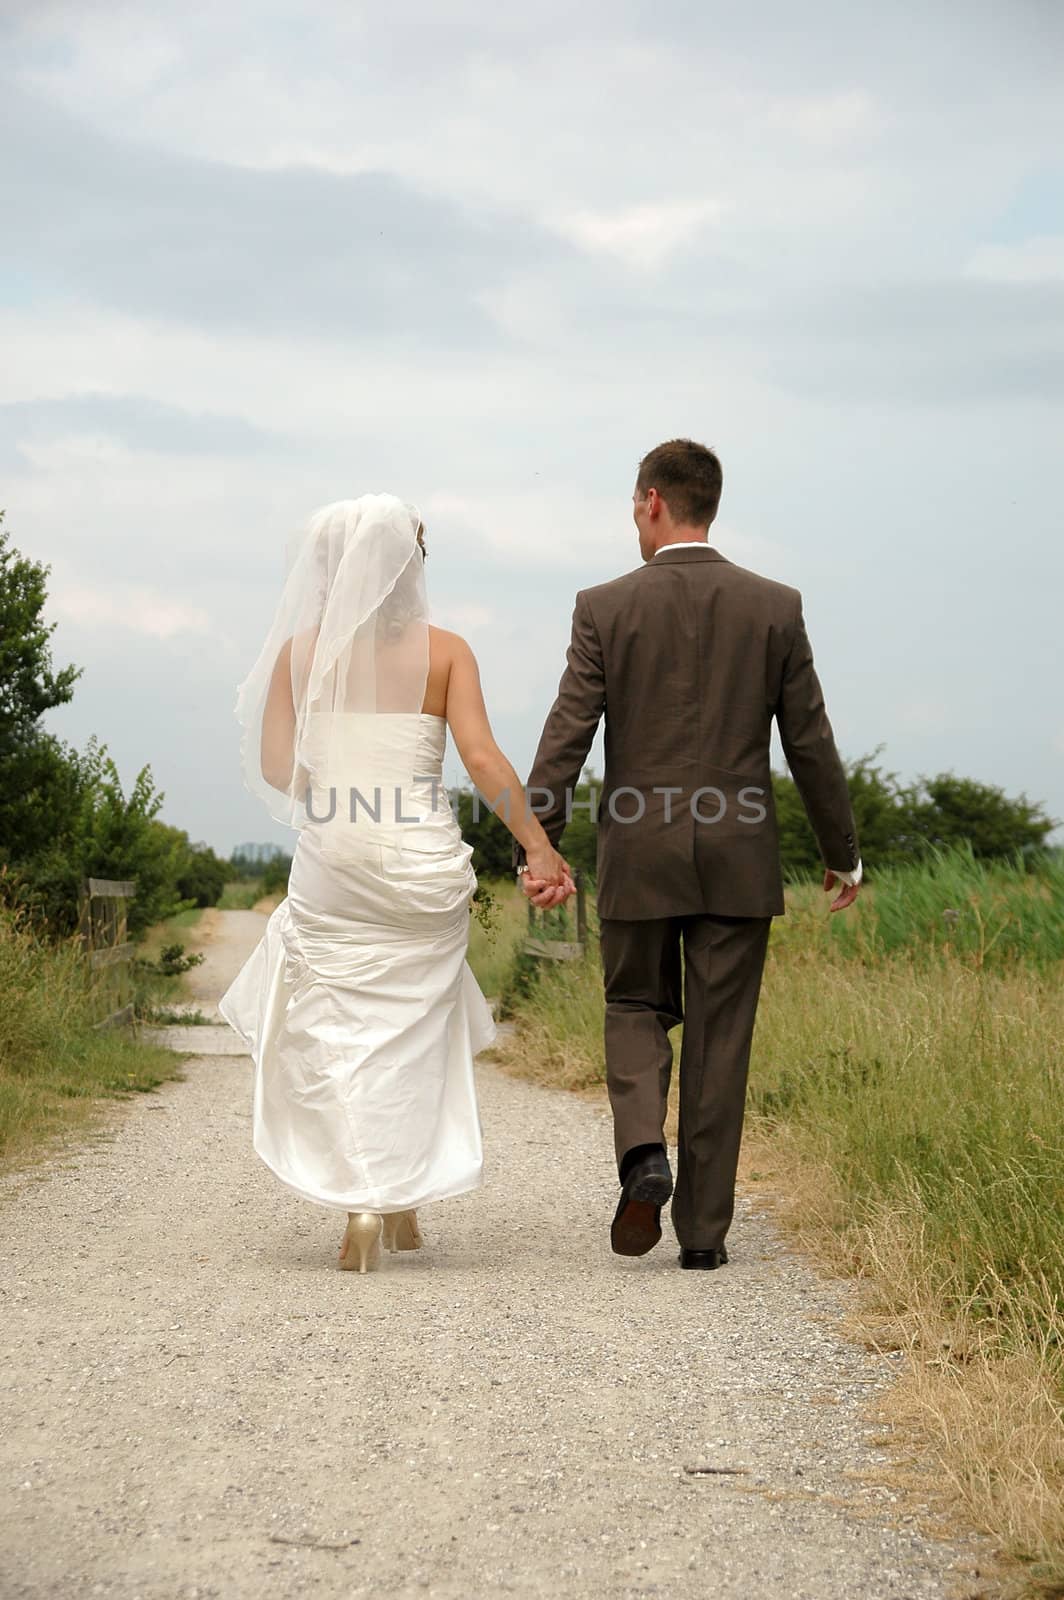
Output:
x=442 y=650
x=452 y=691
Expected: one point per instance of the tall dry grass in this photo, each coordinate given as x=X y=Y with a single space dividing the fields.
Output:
x=907 y=1103
x=914 y=1117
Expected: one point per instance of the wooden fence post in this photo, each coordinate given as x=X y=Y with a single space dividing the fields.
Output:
x=102 y=929
x=560 y=949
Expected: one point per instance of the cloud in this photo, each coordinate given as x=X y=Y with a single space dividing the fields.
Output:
x=926 y=343
x=139 y=420
x=597 y=109
x=926 y=715
x=268 y=380
x=191 y=524
x=643 y=236
x=200 y=242
x=526 y=528
x=825 y=119
x=486 y=256
x=464 y=618
x=1038 y=260
x=127 y=606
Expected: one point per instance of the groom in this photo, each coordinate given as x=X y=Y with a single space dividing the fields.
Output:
x=689 y=658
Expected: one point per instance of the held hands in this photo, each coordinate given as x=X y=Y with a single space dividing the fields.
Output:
x=549 y=879
x=848 y=892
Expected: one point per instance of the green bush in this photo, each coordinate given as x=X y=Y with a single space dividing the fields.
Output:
x=899 y=823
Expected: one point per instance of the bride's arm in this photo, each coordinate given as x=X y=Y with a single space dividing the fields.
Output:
x=277 y=741
x=279 y=723
x=487 y=766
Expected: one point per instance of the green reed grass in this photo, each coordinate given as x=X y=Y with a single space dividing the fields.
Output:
x=992 y=913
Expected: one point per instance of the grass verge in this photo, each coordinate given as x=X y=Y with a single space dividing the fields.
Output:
x=56 y=1070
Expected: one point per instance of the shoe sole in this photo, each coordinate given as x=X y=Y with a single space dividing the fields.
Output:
x=703 y=1266
x=638 y=1228
x=654 y=1189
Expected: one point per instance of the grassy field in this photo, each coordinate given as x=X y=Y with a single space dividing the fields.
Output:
x=907 y=1110
x=241 y=894
x=56 y=1070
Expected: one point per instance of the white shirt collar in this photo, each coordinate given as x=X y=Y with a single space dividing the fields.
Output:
x=683 y=544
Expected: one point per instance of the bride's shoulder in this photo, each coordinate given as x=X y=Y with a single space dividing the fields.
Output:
x=447 y=644
x=451 y=661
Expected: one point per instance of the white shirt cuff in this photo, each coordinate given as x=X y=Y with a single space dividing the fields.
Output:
x=851 y=878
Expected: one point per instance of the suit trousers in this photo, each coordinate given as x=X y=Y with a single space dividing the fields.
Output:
x=714 y=992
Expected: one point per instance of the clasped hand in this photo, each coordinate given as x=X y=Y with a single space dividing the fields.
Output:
x=549 y=879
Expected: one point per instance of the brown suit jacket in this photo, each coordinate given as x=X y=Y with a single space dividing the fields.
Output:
x=690 y=657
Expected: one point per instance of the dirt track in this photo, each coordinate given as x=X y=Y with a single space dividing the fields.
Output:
x=198 y=1404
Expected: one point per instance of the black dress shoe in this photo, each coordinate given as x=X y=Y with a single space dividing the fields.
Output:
x=704 y=1259
x=636 y=1226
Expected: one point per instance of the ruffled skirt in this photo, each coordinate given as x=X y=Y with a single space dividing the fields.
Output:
x=363 y=1020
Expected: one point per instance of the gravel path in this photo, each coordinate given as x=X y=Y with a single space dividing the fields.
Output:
x=196 y=1403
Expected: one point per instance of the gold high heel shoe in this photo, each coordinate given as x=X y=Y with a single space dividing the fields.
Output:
x=361 y=1249
x=401 y=1231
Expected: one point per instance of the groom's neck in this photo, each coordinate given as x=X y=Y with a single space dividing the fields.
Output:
x=682 y=533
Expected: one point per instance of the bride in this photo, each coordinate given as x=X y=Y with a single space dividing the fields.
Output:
x=358 y=1008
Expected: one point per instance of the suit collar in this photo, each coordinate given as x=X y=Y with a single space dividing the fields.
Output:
x=672 y=553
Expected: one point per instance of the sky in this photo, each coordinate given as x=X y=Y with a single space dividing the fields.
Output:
x=260 y=257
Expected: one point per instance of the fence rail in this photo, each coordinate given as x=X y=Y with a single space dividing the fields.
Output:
x=560 y=949
x=102 y=930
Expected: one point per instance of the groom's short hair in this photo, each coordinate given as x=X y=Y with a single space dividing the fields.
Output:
x=688 y=478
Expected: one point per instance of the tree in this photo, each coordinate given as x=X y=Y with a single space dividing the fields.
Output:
x=798 y=847
x=39 y=776
x=897 y=823
x=41 y=785
x=882 y=808
x=493 y=843
x=63 y=814
x=202 y=875
x=949 y=810
x=275 y=874
x=579 y=842
x=28 y=686
x=109 y=835
x=490 y=837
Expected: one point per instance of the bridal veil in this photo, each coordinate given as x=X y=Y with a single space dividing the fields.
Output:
x=348 y=642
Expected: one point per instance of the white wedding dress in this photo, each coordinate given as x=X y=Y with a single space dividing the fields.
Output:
x=357 y=1006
